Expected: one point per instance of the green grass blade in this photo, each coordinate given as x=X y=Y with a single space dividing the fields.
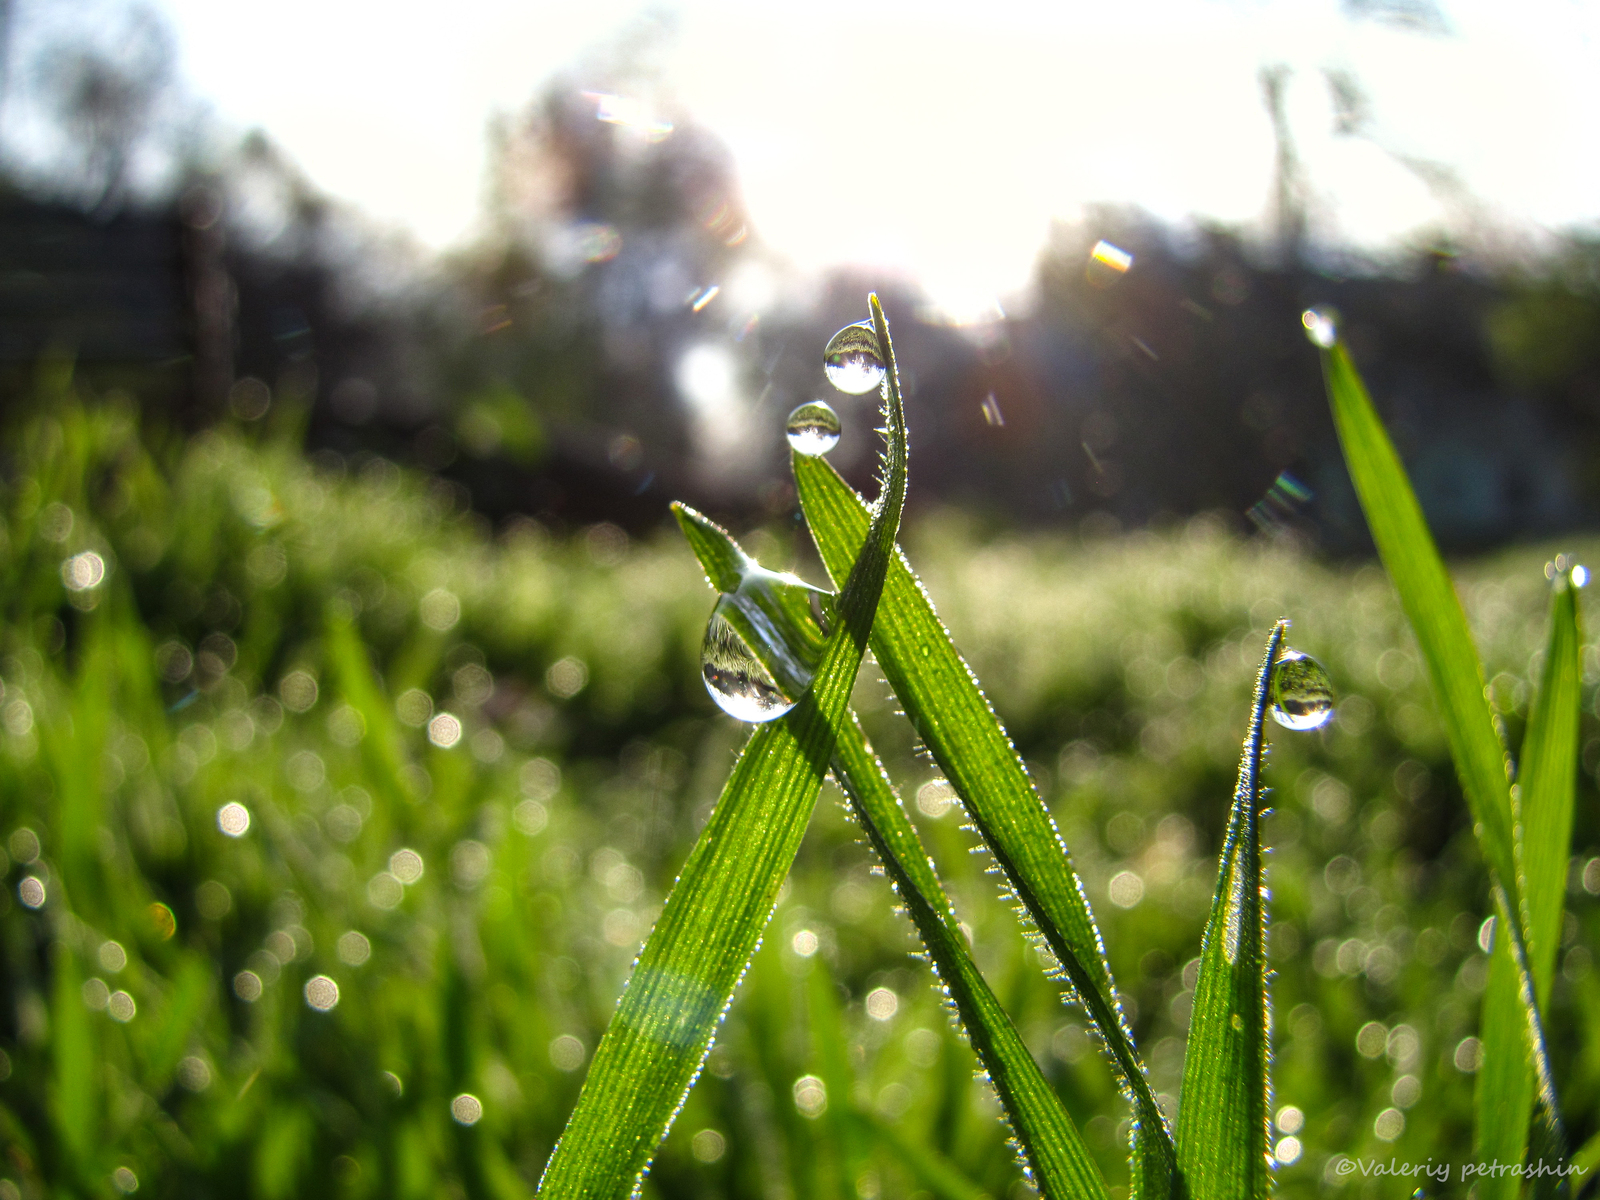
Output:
x=1434 y=612
x=947 y=707
x=1222 y=1121
x=74 y=1095
x=1548 y=777
x=694 y=957
x=724 y=562
x=1051 y=1145
x=1586 y=1159
x=1431 y=606
x=830 y=1054
x=1059 y=1162
x=383 y=748
x=1548 y=782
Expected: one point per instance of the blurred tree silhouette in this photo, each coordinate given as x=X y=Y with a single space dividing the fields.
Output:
x=542 y=369
x=102 y=83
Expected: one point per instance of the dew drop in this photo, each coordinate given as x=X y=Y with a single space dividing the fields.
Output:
x=1302 y=697
x=772 y=612
x=1322 y=327
x=813 y=429
x=737 y=681
x=852 y=361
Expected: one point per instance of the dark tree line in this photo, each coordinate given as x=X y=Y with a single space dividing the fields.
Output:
x=540 y=369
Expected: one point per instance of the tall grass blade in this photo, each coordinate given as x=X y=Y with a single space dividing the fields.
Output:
x=946 y=705
x=694 y=957
x=1059 y=1162
x=1052 y=1148
x=1434 y=612
x=73 y=1095
x=1431 y=606
x=1548 y=773
x=1222 y=1122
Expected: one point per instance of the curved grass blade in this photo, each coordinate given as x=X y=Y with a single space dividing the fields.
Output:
x=946 y=705
x=1222 y=1122
x=1434 y=612
x=699 y=948
x=1052 y=1148
x=1548 y=774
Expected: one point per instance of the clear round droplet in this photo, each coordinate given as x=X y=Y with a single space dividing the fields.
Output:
x=772 y=612
x=813 y=429
x=1302 y=697
x=852 y=361
x=1322 y=327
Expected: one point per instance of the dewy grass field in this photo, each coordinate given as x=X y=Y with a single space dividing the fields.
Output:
x=334 y=823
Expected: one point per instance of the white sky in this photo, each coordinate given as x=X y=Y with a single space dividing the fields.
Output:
x=941 y=138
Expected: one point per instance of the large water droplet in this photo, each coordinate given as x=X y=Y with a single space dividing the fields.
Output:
x=1322 y=327
x=852 y=361
x=813 y=428
x=1302 y=697
x=734 y=676
x=762 y=645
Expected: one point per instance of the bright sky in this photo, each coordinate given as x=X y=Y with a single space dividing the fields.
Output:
x=942 y=137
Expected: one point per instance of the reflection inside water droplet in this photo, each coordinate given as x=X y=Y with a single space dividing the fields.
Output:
x=852 y=361
x=737 y=681
x=813 y=428
x=1302 y=697
x=1322 y=327
x=772 y=613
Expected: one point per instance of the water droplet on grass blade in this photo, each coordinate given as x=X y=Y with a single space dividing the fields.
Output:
x=1302 y=697
x=852 y=361
x=771 y=613
x=813 y=429
x=1322 y=327
x=734 y=676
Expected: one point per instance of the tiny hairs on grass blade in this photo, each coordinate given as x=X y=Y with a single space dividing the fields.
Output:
x=945 y=704
x=1052 y=1149
x=1222 y=1122
x=701 y=945
x=1060 y=1164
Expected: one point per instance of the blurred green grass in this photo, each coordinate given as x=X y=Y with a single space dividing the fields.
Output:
x=291 y=638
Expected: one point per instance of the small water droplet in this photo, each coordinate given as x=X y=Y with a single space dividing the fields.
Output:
x=1302 y=697
x=813 y=429
x=852 y=361
x=772 y=612
x=1322 y=327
